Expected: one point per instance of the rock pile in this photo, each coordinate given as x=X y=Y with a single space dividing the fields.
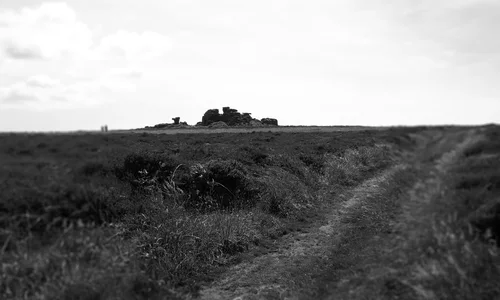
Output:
x=269 y=121
x=232 y=117
x=176 y=124
x=214 y=119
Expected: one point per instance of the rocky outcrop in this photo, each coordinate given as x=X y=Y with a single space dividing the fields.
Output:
x=232 y=117
x=269 y=121
x=228 y=117
x=176 y=124
x=211 y=116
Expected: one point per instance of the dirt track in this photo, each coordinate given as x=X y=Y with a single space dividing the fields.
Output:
x=330 y=258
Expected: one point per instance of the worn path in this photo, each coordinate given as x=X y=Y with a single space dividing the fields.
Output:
x=322 y=262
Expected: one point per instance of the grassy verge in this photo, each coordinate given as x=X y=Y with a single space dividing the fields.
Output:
x=447 y=245
x=458 y=254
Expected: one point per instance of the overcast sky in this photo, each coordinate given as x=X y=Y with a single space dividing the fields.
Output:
x=81 y=64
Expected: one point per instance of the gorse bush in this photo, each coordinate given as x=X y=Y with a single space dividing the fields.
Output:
x=219 y=184
x=216 y=184
x=159 y=165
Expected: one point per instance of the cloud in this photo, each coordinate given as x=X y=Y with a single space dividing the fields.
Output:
x=132 y=46
x=22 y=52
x=45 y=92
x=463 y=27
x=52 y=31
x=49 y=31
x=16 y=95
x=125 y=73
x=33 y=90
x=120 y=79
x=42 y=81
x=90 y=70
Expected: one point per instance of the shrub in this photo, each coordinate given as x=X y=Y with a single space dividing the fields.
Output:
x=155 y=164
x=219 y=184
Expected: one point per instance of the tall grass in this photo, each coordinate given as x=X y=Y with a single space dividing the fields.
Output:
x=351 y=167
x=453 y=253
x=454 y=266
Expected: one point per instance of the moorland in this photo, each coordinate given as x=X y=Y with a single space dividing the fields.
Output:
x=353 y=213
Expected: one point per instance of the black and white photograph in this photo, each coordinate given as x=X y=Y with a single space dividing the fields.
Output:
x=250 y=149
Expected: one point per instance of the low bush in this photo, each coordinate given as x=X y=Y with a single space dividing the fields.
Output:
x=136 y=165
x=219 y=184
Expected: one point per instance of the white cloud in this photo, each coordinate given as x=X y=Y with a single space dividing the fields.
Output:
x=121 y=79
x=90 y=69
x=133 y=46
x=33 y=91
x=52 y=31
x=48 y=31
x=460 y=26
x=17 y=94
x=18 y=51
x=44 y=92
x=42 y=81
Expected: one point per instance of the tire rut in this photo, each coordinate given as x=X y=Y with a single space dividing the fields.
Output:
x=417 y=208
x=301 y=257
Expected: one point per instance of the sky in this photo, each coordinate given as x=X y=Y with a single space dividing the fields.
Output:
x=77 y=65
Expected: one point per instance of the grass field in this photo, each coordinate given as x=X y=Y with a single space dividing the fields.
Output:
x=148 y=215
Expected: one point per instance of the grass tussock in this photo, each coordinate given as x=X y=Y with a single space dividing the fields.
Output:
x=349 y=168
